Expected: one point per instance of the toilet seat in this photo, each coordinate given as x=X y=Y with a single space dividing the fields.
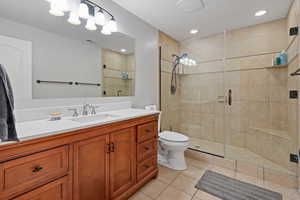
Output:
x=171 y=136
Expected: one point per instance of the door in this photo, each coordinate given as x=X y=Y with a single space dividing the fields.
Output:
x=91 y=169
x=56 y=190
x=122 y=161
x=16 y=57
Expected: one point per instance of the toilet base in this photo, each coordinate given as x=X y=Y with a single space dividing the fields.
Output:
x=174 y=160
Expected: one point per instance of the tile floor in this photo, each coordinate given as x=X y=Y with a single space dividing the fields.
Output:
x=236 y=153
x=174 y=185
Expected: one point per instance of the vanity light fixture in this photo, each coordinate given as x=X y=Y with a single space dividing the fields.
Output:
x=187 y=61
x=74 y=18
x=112 y=25
x=123 y=50
x=105 y=30
x=100 y=18
x=86 y=9
x=260 y=13
x=193 y=31
x=55 y=8
x=91 y=25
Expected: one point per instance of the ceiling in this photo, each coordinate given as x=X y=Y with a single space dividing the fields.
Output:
x=215 y=17
x=35 y=13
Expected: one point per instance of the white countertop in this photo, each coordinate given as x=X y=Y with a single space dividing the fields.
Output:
x=41 y=128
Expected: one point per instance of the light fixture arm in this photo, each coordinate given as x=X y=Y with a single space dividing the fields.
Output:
x=91 y=3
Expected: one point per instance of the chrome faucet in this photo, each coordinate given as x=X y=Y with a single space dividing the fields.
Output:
x=75 y=112
x=93 y=109
x=85 y=109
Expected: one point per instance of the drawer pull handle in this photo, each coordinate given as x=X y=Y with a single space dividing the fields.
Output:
x=147 y=148
x=147 y=166
x=148 y=130
x=37 y=169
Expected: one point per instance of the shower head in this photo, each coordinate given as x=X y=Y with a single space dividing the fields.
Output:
x=184 y=60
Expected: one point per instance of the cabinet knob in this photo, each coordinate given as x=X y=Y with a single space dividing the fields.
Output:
x=37 y=169
x=148 y=130
x=147 y=148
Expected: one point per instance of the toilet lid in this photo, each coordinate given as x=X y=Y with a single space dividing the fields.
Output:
x=173 y=136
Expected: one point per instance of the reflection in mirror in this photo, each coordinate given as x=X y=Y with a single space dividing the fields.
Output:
x=116 y=63
x=48 y=57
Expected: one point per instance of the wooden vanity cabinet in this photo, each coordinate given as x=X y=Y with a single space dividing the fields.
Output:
x=122 y=165
x=91 y=169
x=108 y=162
x=56 y=190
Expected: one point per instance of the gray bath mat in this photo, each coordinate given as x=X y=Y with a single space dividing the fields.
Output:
x=227 y=188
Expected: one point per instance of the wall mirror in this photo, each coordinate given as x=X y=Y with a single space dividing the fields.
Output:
x=48 y=57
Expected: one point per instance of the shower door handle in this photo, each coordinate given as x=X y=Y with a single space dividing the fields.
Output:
x=229 y=97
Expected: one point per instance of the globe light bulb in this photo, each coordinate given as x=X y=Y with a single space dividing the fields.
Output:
x=100 y=18
x=90 y=25
x=112 y=25
x=74 y=18
x=105 y=30
x=84 y=11
x=55 y=9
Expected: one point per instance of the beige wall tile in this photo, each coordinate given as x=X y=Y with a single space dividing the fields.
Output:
x=204 y=49
x=259 y=39
x=260 y=93
x=169 y=47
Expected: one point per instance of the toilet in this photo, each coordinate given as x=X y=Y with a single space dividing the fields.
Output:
x=171 y=149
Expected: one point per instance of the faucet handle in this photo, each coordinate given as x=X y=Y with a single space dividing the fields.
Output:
x=93 y=108
x=75 y=112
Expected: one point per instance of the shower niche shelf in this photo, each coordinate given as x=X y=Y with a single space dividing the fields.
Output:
x=277 y=133
x=278 y=66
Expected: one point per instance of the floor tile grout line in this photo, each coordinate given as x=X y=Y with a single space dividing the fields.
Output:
x=194 y=194
x=169 y=184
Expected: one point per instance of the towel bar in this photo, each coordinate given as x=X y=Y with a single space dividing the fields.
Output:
x=91 y=84
x=55 y=82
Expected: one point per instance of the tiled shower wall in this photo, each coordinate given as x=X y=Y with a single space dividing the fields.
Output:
x=169 y=103
x=259 y=118
x=201 y=115
x=262 y=118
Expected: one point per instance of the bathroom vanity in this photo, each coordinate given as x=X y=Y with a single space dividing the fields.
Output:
x=95 y=161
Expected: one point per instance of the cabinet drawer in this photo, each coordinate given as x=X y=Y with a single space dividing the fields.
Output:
x=146 y=150
x=146 y=132
x=56 y=190
x=145 y=167
x=23 y=173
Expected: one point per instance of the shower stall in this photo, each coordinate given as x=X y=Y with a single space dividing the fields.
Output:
x=235 y=103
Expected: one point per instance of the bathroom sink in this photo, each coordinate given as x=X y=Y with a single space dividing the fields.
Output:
x=87 y=119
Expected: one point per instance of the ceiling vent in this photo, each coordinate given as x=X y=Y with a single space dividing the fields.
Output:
x=190 y=6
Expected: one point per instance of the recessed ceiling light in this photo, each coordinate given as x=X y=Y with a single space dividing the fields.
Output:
x=260 y=13
x=193 y=31
x=123 y=50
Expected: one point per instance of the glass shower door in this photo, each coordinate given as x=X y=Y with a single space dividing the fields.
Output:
x=202 y=96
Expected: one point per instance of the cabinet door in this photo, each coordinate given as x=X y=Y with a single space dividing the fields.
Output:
x=122 y=161
x=56 y=190
x=91 y=169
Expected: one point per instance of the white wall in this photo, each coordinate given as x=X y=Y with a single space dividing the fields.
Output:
x=147 y=72
x=58 y=58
